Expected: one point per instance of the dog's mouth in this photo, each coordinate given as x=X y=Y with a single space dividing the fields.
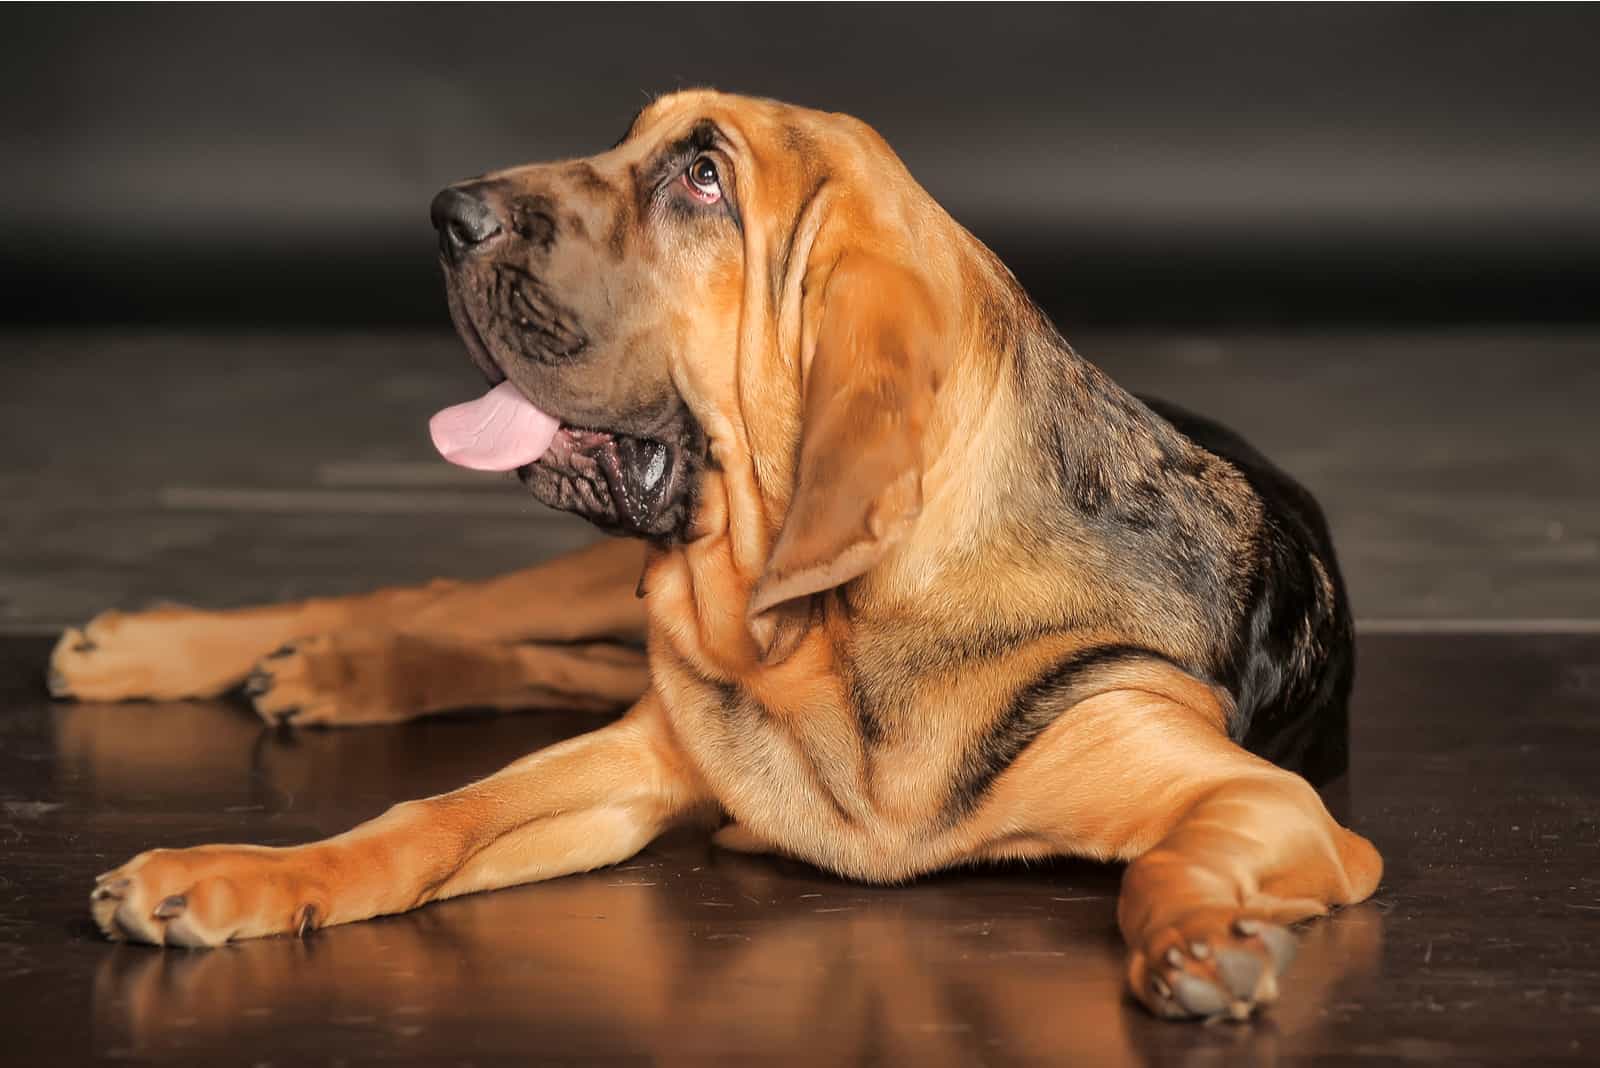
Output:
x=625 y=483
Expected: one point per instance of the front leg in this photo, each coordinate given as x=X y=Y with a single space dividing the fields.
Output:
x=584 y=803
x=1226 y=848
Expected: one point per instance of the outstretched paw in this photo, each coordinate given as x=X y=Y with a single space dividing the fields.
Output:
x=1215 y=963
x=204 y=897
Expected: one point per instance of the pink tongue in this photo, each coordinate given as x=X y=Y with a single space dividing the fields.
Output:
x=499 y=431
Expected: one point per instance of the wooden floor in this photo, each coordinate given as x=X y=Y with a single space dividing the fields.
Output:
x=1460 y=470
x=1475 y=771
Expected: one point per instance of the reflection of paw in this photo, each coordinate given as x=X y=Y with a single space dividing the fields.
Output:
x=162 y=654
x=204 y=897
x=345 y=679
x=735 y=838
x=1211 y=963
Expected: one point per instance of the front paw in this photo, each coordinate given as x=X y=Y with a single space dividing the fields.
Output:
x=1211 y=963
x=206 y=896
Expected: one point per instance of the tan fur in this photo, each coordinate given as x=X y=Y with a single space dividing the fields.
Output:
x=872 y=527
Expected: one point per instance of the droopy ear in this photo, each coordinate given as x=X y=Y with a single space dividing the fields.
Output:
x=858 y=487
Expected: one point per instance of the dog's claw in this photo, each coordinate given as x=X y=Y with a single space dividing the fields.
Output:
x=115 y=888
x=308 y=921
x=170 y=907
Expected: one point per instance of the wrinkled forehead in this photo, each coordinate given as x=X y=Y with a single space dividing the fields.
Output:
x=659 y=135
x=744 y=121
x=779 y=154
x=775 y=147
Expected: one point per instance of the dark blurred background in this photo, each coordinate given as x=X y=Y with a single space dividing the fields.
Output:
x=1136 y=163
x=1366 y=235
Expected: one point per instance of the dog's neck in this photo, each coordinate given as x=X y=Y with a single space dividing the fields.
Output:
x=1101 y=440
x=1098 y=440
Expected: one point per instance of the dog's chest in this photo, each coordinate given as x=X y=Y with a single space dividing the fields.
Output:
x=774 y=756
x=820 y=762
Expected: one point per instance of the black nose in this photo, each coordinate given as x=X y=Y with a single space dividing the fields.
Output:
x=464 y=221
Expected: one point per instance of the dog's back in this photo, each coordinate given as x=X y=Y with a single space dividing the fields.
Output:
x=1293 y=702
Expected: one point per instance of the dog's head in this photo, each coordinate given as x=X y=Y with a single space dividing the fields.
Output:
x=742 y=300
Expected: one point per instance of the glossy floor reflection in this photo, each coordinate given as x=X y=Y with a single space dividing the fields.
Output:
x=1476 y=771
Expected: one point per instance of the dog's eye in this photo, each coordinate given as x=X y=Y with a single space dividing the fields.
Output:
x=702 y=180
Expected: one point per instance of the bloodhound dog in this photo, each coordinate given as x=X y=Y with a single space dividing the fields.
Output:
x=917 y=585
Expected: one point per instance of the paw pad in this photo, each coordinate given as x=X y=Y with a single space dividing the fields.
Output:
x=1226 y=975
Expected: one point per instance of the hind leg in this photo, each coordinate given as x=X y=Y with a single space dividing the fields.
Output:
x=173 y=653
x=359 y=677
